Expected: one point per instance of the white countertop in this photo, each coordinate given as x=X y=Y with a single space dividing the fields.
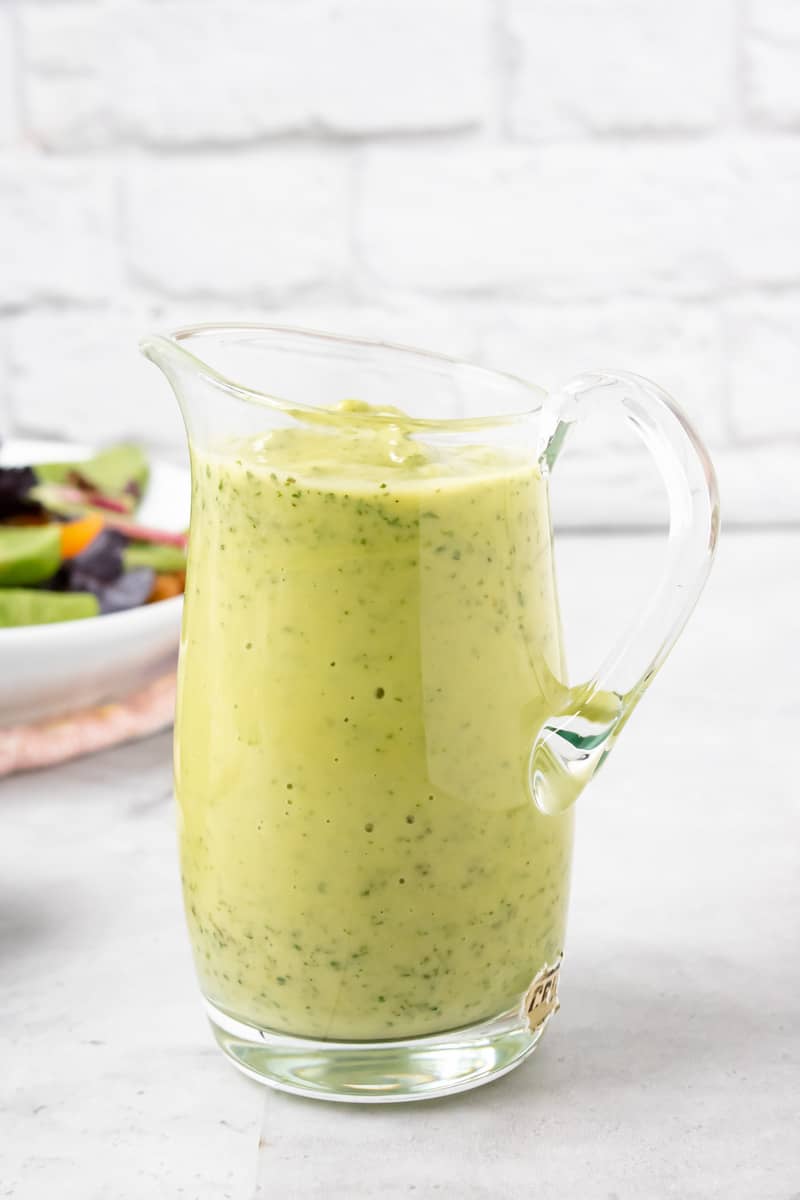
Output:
x=672 y=1070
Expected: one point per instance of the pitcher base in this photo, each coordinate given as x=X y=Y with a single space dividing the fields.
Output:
x=377 y=1072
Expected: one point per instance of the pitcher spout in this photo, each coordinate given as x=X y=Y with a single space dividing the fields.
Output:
x=165 y=353
x=198 y=388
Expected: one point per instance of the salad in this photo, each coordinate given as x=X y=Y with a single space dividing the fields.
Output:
x=70 y=545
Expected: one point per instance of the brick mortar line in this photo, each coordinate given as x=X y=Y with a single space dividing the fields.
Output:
x=386 y=297
x=140 y=151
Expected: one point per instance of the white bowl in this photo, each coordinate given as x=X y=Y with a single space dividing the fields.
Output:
x=47 y=670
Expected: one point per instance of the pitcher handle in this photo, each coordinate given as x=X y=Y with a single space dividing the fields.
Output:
x=575 y=741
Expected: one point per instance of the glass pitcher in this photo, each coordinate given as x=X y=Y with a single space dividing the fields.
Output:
x=376 y=748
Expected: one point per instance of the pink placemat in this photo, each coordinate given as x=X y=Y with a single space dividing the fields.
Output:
x=25 y=747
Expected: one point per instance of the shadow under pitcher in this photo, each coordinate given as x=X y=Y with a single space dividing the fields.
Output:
x=376 y=749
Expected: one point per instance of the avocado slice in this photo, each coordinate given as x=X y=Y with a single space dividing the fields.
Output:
x=160 y=558
x=27 y=606
x=28 y=553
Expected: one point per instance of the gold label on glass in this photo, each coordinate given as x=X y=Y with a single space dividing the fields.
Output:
x=541 y=998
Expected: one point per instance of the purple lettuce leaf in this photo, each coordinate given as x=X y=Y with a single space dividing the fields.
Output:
x=100 y=562
x=132 y=589
x=98 y=565
x=99 y=569
x=15 y=486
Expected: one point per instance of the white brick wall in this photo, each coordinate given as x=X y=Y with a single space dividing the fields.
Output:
x=259 y=226
x=9 y=114
x=562 y=223
x=764 y=349
x=764 y=241
x=773 y=62
x=542 y=185
x=678 y=344
x=226 y=73
x=80 y=374
x=58 y=235
x=588 y=66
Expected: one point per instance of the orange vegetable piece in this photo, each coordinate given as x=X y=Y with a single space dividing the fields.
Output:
x=167 y=585
x=76 y=535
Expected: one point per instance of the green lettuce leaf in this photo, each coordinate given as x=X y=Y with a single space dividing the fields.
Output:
x=120 y=470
